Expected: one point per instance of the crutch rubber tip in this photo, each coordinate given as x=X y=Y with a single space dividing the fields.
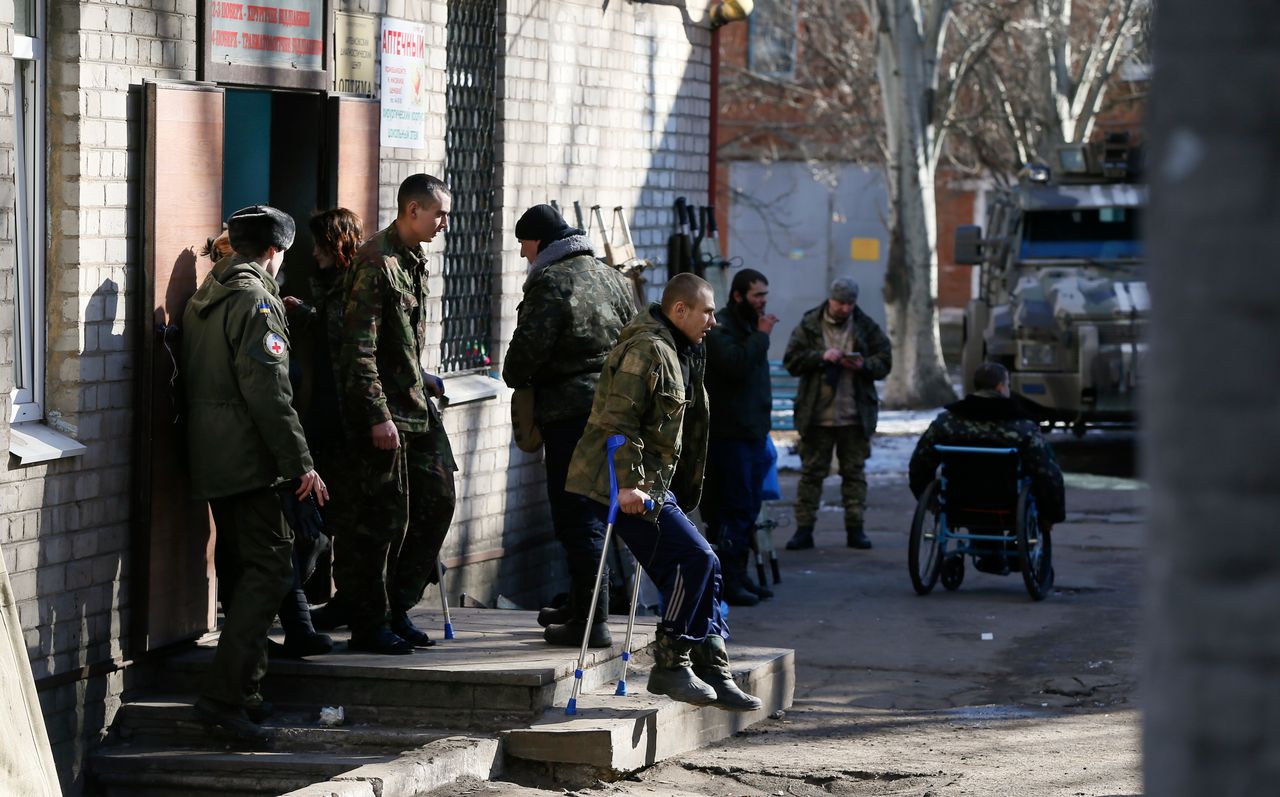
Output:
x=572 y=707
x=448 y=630
x=622 y=689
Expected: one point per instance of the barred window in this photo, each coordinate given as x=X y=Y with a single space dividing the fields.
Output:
x=469 y=257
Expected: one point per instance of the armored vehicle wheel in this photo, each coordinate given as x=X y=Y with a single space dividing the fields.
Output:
x=953 y=571
x=1035 y=548
x=924 y=551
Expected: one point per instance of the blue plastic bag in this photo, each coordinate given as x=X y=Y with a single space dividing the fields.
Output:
x=771 y=490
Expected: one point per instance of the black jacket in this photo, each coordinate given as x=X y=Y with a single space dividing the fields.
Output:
x=738 y=379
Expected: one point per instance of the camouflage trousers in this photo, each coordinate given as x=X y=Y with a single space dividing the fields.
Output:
x=387 y=556
x=852 y=448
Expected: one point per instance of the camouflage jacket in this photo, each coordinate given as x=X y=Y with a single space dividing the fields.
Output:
x=986 y=418
x=738 y=378
x=383 y=330
x=573 y=309
x=242 y=431
x=803 y=358
x=642 y=396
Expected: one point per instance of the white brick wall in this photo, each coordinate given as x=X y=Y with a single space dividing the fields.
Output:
x=607 y=107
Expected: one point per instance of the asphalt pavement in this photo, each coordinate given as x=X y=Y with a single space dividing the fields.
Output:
x=980 y=691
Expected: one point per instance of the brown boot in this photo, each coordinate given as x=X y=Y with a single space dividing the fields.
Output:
x=711 y=664
x=672 y=673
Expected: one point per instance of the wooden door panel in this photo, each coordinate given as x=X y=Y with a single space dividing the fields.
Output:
x=354 y=157
x=173 y=575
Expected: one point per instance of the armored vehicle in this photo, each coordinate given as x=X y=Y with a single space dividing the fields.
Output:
x=1062 y=297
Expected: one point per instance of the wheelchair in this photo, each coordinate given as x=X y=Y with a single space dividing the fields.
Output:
x=980 y=506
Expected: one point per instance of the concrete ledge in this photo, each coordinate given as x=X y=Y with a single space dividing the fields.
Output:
x=615 y=735
x=434 y=765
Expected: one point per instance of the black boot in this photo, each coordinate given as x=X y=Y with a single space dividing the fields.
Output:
x=404 y=628
x=231 y=722
x=300 y=637
x=557 y=615
x=672 y=674
x=379 y=639
x=802 y=539
x=760 y=588
x=733 y=566
x=570 y=634
x=330 y=616
x=711 y=665
x=855 y=537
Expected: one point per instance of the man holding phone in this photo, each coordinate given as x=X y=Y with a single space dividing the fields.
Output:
x=838 y=352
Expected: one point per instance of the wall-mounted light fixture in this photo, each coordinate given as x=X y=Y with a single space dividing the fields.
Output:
x=726 y=11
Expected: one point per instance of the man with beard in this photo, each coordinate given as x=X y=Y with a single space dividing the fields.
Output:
x=838 y=352
x=738 y=455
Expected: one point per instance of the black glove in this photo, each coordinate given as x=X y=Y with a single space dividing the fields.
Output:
x=303 y=516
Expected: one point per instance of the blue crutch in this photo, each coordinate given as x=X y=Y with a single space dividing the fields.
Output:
x=612 y=444
x=631 y=624
x=444 y=602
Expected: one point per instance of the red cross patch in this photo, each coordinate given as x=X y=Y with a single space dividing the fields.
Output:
x=275 y=345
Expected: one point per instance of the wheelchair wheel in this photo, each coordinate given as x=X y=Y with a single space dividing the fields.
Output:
x=1034 y=547
x=924 y=552
x=953 y=571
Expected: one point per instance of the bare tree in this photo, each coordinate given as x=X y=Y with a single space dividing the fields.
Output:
x=985 y=84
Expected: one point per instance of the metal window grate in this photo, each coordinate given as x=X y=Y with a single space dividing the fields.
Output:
x=471 y=102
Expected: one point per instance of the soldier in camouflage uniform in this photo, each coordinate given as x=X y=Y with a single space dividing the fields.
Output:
x=989 y=417
x=651 y=392
x=243 y=439
x=573 y=309
x=384 y=562
x=838 y=352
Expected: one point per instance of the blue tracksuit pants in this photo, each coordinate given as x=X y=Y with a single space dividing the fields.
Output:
x=682 y=565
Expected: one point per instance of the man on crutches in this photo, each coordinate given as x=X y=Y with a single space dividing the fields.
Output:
x=651 y=392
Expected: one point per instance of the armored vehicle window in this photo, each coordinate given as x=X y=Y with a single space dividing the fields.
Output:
x=1107 y=233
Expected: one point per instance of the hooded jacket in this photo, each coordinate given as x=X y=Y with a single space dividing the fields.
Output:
x=642 y=396
x=803 y=358
x=574 y=306
x=987 y=418
x=242 y=431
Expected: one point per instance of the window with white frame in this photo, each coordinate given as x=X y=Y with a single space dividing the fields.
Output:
x=29 y=215
x=771 y=38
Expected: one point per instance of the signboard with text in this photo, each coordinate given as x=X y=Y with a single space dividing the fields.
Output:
x=404 y=84
x=357 y=55
x=268 y=42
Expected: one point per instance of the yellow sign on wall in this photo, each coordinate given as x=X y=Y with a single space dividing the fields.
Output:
x=865 y=249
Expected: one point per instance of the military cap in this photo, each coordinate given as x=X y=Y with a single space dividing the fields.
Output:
x=844 y=289
x=256 y=227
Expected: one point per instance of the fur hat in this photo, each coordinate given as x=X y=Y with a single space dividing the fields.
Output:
x=256 y=227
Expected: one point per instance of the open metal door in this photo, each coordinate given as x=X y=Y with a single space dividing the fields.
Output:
x=173 y=579
x=353 y=157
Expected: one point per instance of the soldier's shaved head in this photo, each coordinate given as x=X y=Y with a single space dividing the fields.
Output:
x=990 y=376
x=422 y=188
x=683 y=288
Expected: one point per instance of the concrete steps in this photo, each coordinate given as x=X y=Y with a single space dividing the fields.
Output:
x=493 y=696
x=611 y=736
x=497 y=673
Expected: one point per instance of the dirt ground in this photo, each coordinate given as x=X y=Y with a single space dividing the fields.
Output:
x=898 y=694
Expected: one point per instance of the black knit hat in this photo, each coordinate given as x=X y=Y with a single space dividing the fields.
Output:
x=541 y=223
x=256 y=227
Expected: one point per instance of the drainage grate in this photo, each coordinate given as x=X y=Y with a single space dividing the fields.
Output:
x=469 y=258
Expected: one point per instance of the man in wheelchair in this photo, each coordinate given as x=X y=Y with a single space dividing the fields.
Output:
x=989 y=417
